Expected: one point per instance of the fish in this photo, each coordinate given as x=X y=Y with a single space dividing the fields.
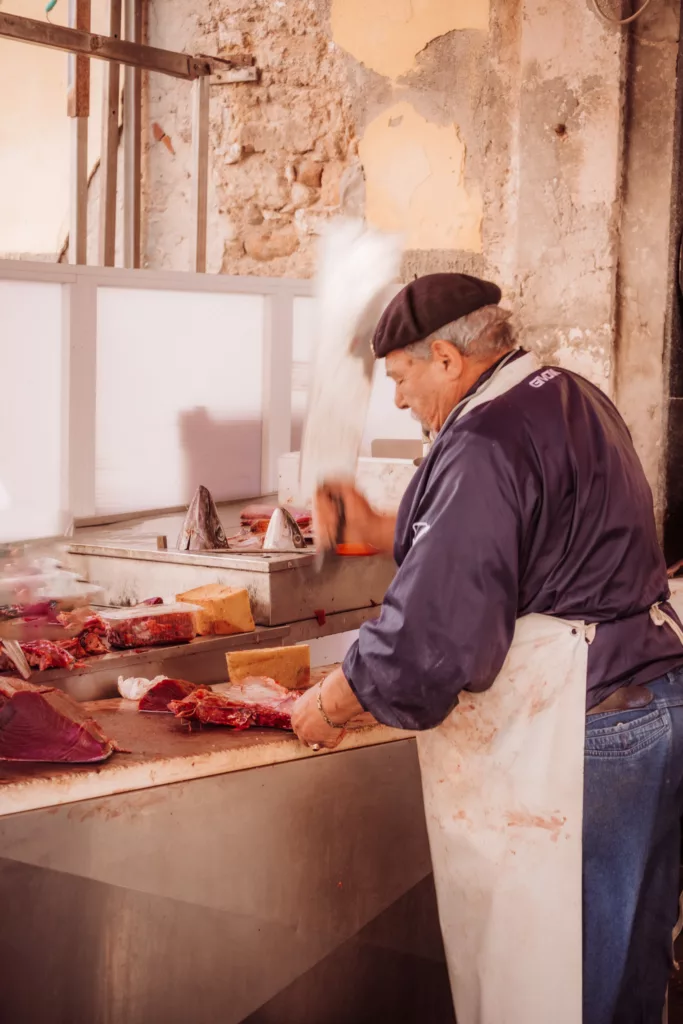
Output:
x=283 y=533
x=202 y=530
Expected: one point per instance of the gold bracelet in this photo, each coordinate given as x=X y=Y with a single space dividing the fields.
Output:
x=321 y=709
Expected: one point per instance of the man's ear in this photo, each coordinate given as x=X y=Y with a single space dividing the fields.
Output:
x=449 y=357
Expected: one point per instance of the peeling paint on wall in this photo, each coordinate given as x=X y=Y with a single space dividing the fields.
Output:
x=387 y=35
x=415 y=183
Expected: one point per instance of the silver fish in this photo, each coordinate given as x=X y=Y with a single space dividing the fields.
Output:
x=283 y=533
x=202 y=530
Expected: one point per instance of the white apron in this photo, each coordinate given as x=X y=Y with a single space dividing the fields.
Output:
x=503 y=788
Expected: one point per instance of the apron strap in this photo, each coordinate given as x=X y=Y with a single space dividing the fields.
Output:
x=660 y=617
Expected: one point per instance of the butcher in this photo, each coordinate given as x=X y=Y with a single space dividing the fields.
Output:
x=528 y=642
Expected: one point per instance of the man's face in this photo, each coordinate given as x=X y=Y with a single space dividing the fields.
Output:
x=430 y=388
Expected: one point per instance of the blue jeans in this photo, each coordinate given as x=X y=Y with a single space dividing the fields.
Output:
x=633 y=801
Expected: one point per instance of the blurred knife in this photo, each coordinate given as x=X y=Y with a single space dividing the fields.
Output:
x=359 y=268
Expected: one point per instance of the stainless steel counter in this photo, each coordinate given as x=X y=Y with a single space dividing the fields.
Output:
x=294 y=893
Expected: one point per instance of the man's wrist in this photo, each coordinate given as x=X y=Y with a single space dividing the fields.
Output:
x=326 y=718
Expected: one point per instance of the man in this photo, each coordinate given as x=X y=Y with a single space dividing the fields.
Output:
x=527 y=555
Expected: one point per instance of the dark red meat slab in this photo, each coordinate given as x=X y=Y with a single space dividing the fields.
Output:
x=150 y=630
x=159 y=696
x=39 y=723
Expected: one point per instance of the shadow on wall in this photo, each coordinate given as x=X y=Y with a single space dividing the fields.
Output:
x=224 y=455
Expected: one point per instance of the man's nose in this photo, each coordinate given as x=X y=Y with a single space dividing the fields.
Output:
x=400 y=400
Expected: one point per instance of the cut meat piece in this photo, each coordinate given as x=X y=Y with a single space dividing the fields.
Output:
x=223 y=611
x=91 y=640
x=151 y=626
x=271 y=703
x=162 y=692
x=42 y=655
x=212 y=709
x=259 y=703
x=289 y=666
x=39 y=723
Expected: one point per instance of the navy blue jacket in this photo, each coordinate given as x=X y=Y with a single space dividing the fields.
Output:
x=534 y=502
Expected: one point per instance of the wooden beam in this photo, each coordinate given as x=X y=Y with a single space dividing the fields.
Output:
x=110 y=147
x=78 y=109
x=200 y=170
x=132 y=141
x=78 y=103
x=78 y=197
x=149 y=58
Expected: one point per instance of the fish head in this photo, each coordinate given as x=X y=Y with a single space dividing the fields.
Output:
x=283 y=533
x=202 y=529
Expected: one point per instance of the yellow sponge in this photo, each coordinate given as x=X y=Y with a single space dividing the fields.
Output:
x=224 y=610
x=288 y=666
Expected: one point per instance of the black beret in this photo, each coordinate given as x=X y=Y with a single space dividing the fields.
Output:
x=428 y=303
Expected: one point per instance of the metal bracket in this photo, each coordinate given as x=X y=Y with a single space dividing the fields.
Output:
x=236 y=75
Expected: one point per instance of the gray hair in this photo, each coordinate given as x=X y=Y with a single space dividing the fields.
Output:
x=485 y=332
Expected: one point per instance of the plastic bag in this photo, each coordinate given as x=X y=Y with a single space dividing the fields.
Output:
x=149 y=626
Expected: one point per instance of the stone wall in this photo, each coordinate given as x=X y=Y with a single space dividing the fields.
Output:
x=361 y=105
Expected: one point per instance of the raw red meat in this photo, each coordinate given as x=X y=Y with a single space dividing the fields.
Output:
x=160 y=694
x=41 y=655
x=259 y=703
x=44 y=654
x=39 y=723
x=211 y=708
x=152 y=600
x=43 y=610
x=91 y=640
x=147 y=627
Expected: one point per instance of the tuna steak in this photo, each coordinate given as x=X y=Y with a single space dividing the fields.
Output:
x=202 y=530
x=39 y=723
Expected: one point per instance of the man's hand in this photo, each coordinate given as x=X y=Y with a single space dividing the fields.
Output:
x=309 y=725
x=340 y=705
x=363 y=524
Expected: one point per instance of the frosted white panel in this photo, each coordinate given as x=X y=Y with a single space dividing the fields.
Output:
x=179 y=392
x=303 y=328
x=384 y=419
x=30 y=410
x=303 y=338
x=327 y=650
